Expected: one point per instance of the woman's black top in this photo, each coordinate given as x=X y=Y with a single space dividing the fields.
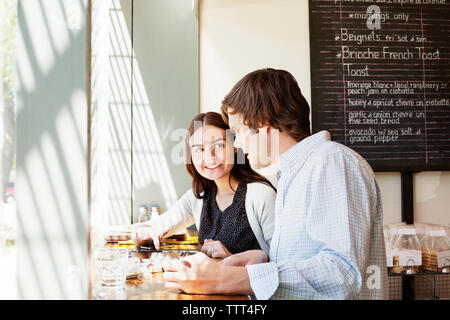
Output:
x=231 y=227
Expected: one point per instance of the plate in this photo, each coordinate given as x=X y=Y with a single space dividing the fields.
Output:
x=117 y=235
x=134 y=275
x=189 y=240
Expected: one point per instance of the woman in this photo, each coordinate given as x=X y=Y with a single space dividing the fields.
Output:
x=231 y=205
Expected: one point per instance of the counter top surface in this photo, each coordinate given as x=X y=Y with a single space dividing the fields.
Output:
x=152 y=286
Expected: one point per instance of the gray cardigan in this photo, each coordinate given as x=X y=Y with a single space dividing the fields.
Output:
x=259 y=205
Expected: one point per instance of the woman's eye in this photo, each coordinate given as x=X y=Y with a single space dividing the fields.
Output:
x=218 y=146
x=198 y=150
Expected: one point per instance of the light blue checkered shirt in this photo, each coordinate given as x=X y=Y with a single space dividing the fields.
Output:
x=328 y=237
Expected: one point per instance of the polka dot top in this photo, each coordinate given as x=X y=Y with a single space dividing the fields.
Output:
x=231 y=226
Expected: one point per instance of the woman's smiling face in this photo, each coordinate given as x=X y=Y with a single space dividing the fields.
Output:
x=212 y=153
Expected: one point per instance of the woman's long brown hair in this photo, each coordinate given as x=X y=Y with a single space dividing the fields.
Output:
x=241 y=171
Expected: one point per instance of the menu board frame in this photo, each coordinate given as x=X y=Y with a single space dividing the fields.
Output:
x=397 y=165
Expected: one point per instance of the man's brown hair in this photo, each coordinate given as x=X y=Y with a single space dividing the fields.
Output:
x=270 y=97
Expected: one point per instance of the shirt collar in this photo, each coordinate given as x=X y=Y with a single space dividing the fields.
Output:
x=294 y=158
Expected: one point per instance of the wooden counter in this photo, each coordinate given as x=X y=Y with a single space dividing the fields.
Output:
x=152 y=287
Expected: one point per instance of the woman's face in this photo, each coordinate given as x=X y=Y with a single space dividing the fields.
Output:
x=212 y=153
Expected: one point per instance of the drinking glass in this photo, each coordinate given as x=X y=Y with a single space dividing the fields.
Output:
x=111 y=266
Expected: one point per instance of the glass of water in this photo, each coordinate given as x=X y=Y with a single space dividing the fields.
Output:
x=111 y=266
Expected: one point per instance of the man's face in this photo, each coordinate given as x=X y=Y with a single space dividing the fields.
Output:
x=261 y=147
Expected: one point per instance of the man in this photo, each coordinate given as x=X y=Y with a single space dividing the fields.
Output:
x=328 y=238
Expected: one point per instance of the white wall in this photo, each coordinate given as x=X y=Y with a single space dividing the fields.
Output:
x=239 y=36
x=51 y=185
x=143 y=99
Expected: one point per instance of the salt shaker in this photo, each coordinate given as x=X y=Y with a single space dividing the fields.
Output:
x=155 y=212
x=143 y=214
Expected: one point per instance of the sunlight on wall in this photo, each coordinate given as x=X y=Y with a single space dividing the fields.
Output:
x=25 y=71
x=57 y=25
x=166 y=98
x=51 y=154
x=39 y=35
x=113 y=122
x=69 y=129
x=75 y=12
x=151 y=164
x=111 y=119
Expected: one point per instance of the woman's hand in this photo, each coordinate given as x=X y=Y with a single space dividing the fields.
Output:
x=143 y=235
x=245 y=258
x=215 y=249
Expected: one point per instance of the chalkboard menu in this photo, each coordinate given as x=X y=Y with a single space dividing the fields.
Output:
x=380 y=79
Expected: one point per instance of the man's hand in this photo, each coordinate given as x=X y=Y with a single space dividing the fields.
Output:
x=215 y=249
x=196 y=274
x=245 y=258
x=199 y=274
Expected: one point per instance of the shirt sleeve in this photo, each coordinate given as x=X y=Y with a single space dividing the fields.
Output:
x=260 y=213
x=338 y=223
x=267 y=214
x=177 y=218
x=263 y=279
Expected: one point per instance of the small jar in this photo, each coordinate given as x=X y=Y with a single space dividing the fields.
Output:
x=155 y=212
x=143 y=214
